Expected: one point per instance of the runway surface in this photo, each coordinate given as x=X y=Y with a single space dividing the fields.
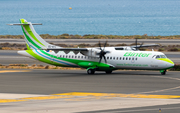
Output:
x=63 y=81
x=64 y=91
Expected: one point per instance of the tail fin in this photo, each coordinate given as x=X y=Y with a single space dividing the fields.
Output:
x=33 y=40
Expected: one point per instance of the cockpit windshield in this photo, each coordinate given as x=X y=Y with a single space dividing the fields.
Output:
x=158 y=56
x=161 y=56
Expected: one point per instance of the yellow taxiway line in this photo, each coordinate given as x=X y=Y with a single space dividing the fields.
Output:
x=11 y=71
x=120 y=95
x=10 y=100
x=84 y=96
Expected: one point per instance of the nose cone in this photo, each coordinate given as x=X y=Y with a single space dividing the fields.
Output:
x=166 y=63
x=169 y=63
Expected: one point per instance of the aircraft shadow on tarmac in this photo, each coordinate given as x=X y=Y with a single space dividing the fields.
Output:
x=73 y=73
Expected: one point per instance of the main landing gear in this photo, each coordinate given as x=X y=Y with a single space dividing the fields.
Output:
x=163 y=72
x=92 y=71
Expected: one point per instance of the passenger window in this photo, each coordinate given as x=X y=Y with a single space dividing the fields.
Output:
x=117 y=58
x=123 y=58
x=63 y=56
x=114 y=58
x=136 y=58
x=69 y=56
x=120 y=58
x=78 y=56
x=129 y=58
x=110 y=57
x=107 y=57
x=60 y=56
x=82 y=57
x=72 y=56
x=126 y=58
x=132 y=58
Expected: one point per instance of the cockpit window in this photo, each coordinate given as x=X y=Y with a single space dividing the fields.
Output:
x=154 y=56
x=163 y=56
x=158 y=56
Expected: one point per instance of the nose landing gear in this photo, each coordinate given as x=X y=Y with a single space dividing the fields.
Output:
x=163 y=72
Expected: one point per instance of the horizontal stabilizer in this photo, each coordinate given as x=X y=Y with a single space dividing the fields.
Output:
x=25 y=24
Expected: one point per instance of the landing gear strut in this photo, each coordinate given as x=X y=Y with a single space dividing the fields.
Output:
x=163 y=72
x=90 y=71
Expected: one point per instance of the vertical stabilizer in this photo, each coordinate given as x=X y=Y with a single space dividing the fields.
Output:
x=33 y=40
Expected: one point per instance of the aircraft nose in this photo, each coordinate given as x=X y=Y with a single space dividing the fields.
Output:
x=170 y=63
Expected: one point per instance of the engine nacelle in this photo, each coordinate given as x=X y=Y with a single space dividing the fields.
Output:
x=92 y=52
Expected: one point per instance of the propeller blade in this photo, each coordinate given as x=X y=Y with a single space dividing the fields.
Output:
x=105 y=44
x=141 y=44
x=136 y=43
x=105 y=59
x=100 y=45
x=102 y=52
x=100 y=59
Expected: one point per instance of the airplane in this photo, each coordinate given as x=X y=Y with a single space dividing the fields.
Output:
x=93 y=59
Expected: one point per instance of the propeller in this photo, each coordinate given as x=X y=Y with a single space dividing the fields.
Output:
x=136 y=44
x=139 y=46
x=102 y=53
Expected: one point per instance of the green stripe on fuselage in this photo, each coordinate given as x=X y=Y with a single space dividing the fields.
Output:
x=75 y=61
x=28 y=29
x=31 y=52
x=29 y=39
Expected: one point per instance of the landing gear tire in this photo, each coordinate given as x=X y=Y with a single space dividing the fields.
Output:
x=163 y=73
x=90 y=71
x=108 y=72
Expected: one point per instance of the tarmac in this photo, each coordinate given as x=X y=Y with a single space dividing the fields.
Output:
x=68 y=91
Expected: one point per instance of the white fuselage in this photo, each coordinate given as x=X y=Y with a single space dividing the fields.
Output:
x=122 y=59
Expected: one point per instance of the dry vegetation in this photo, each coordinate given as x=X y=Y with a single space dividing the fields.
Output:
x=9 y=46
x=34 y=66
x=67 y=36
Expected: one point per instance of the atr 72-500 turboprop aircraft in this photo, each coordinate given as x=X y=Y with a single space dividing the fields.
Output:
x=94 y=59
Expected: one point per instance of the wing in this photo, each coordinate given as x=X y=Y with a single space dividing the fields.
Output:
x=148 y=45
x=92 y=52
x=67 y=50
